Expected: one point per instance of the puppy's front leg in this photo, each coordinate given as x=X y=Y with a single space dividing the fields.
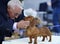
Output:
x=35 y=40
x=30 y=39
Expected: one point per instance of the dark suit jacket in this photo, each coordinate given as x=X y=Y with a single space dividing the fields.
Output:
x=55 y=3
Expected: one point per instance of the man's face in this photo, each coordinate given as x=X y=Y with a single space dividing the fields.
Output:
x=14 y=13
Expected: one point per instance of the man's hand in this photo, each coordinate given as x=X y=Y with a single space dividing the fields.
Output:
x=22 y=24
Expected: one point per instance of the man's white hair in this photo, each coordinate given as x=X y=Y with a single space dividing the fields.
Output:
x=13 y=3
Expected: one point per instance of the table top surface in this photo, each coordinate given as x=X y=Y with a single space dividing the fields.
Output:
x=55 y=40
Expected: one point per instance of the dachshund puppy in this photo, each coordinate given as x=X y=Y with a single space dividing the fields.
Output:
x=33 y=32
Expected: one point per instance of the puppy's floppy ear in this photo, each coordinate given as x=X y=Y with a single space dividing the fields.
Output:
x=35 y=21
x=29 y=18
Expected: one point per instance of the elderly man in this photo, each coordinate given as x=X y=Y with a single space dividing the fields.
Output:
x=12 y=20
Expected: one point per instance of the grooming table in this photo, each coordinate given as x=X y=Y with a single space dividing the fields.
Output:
x=55 y=40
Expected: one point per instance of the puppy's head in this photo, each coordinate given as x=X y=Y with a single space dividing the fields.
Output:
x=33 y=21
x=29 y=18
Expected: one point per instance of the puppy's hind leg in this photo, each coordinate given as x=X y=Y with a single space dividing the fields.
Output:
x=49 y=38
x=43 y=38
x=35 y=40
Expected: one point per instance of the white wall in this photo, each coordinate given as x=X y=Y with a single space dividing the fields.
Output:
x=33 y=3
